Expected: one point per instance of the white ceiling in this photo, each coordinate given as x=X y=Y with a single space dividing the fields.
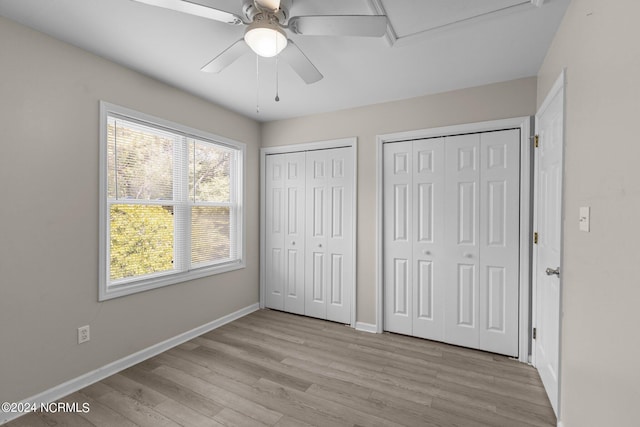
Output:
x=441 y=45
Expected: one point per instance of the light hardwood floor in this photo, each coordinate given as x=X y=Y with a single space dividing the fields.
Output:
x=273 y=368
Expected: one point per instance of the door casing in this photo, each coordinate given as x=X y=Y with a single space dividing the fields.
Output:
x=525 y=124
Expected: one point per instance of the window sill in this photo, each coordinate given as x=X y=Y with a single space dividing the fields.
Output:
x=120 y=290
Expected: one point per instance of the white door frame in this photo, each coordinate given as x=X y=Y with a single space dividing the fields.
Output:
x=525 y=124
x=557 y=89
x=309 y=146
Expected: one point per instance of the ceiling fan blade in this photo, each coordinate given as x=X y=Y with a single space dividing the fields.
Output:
x=269 y=4
x=339 y=25
x=194 y=8
x=227 y=57
x=300 y=63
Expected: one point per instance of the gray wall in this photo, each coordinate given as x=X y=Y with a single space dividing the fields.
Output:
x=49 y=93
x=598 y=43
x=497 y=101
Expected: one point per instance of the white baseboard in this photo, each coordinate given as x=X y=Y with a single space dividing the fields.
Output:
x=89 y=378
x=366 y=327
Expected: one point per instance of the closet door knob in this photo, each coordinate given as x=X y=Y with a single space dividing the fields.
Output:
x=293 y=243
x=427 y=252
x=468 y=255
x=320 y=245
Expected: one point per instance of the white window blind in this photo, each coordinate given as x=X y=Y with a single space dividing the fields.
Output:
x=171 y=203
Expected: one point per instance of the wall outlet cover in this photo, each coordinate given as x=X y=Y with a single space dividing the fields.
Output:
x=585 y=218
x=84 y=334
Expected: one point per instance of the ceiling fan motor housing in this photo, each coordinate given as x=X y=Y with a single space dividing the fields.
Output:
x=250 y=11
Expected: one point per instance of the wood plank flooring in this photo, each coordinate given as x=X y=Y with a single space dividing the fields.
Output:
x=278 y=369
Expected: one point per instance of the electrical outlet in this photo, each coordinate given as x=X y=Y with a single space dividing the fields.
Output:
x=83 y=334
x=585 y=218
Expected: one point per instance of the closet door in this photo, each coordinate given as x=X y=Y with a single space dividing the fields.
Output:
x=285 y=236
x=427 y=235
x=329 y=246
x=462 y=210
x=294 y=238
x=398 y=243
x=316 y=242
x=499 y=241
x=274 y=235
x=340 y=257
x=451 y=239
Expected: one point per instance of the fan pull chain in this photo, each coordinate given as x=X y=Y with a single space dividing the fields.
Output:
x=257 y=84
x=277 y=96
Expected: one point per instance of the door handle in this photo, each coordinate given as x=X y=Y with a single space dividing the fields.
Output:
x=551 y=271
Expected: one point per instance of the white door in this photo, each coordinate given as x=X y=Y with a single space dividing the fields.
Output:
x=398 y=247
x=294 y=237
x=548 y=225
x=274 y=233
x=451 y=239
x=309 y=255
x=329 y=246
x=339 y=248
x=285 y=236
x=317 y=236
x=414 y=238
x=462 y=210
x=499 y=241
x=427 y=235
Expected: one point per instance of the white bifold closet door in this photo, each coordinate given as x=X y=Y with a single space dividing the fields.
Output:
x=309 y=220
x=329 y=249
x=414 y=238
x=285 y=204
x=451 y=239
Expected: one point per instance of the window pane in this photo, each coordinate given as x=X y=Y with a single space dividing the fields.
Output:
x=140 y=162
x=210 y=232
x=142 y=239
x=172 y=199
x=209 y=167
x=111 y=160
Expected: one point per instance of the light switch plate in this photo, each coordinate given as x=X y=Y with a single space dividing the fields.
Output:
x=585 y=218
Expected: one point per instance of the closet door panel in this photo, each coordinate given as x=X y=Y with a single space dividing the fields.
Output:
x=274 y=235
x=316 y=257
x=339 y=248
x=462 y=209
x=294 y=232
x=398 y=243
x=499 y=241
x=329 y=186
x=428 y=238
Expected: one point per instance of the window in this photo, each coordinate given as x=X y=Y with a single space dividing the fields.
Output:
x=170 y=203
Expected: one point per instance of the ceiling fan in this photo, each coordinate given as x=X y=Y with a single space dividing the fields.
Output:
x=267 y=23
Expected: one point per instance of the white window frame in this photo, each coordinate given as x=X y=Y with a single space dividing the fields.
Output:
x=120 y=288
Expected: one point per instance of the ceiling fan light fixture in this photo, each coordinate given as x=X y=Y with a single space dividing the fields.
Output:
x=265 y=38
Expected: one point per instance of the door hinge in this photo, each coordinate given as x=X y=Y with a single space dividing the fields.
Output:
x=535 y=238
x=536 y=139
x=535 y=333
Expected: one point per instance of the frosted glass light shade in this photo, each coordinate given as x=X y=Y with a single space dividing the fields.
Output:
x=265 y=38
